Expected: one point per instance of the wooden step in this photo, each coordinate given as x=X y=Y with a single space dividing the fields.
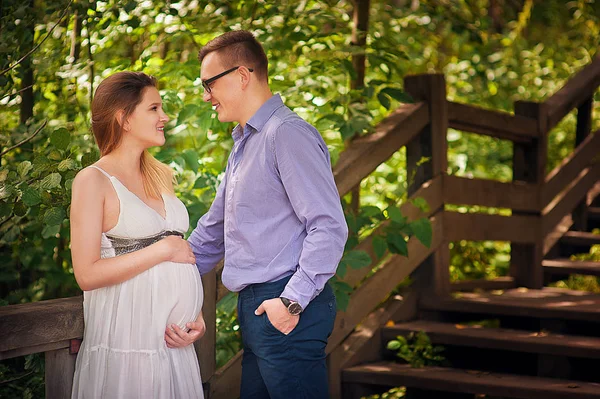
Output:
x=594 y=213
x=580 y=238
x=568 y=266
x=554 y=303
x=499 y=338
x=468 y=381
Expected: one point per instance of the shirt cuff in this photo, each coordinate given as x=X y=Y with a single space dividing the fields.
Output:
x=300 y=290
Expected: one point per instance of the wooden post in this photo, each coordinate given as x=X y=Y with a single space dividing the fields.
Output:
x=60 y=368
x=529 y=165
x=426 y=157
x=205 y=347
x=584 y=128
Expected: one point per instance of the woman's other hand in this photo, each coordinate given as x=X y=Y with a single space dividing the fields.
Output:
x=177 y=338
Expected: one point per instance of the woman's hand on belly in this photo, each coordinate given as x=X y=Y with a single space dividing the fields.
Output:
x=177 y=338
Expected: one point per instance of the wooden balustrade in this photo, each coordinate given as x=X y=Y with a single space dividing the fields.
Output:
x=541 y=209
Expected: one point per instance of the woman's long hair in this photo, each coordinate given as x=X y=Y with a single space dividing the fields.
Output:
x=124 y=91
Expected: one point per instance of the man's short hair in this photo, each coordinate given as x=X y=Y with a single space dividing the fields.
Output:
x=238 y=48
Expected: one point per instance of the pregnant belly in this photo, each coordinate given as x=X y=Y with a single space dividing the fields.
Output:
x=181 y=292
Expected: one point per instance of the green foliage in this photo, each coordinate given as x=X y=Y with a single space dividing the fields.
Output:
x=23 y=377
x=394 y=393
x=393 y=238
x=229 y=339
x=416 y=349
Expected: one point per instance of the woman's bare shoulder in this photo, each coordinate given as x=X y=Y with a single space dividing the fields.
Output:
x=90 y=179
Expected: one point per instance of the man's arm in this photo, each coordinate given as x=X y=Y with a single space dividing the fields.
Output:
x=305 y=170
x=207 y=239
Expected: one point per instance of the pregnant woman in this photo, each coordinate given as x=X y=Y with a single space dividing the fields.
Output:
x=137 y=272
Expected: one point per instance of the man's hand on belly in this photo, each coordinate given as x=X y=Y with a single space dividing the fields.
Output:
x=177 y=338
x=278 y=315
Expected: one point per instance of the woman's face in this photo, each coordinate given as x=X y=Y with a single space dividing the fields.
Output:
x=146 y=123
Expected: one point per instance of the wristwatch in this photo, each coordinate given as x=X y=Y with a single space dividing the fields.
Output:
x=292 y=306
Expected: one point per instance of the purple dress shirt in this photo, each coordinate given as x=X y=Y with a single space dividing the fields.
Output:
x=277 y=211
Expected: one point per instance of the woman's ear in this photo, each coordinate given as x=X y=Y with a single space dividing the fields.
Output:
x=122 y=121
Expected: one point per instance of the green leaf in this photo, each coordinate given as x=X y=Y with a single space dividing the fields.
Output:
x=54 y=216
x=60 y=138
x=12 y=234
x=423 y=232
x=347 y=130
x=89 y=158
x=31 y=196
x=55 y=155
x=5 y=209
x=379 y=246
x=20 y=209
x=398 y=95
x=187 y=112
x=341 y=269
x=67 y=164
x=356 y=259
x=24 y=168
x=421 y=203
x=51 y=181
x=384 y=100
x=50 y=231
x=371 y=211
x=397 y=244
x=393 y=345
x=191 y=159
x=395 y=215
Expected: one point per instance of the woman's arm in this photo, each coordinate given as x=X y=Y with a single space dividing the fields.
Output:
x=89 y=191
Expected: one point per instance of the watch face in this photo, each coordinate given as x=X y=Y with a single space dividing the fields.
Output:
x=295 y=308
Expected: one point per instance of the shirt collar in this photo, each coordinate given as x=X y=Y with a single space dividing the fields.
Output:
x=259 y=119
x=265 y=112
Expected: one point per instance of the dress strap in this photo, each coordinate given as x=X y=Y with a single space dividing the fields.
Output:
x=101 y=170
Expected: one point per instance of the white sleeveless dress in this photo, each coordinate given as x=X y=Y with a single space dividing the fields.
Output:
x=124 y=353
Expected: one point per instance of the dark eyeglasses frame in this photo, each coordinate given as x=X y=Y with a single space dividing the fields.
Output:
x=207 y=82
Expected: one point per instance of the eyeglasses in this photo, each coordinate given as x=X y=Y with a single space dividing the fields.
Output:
x=206 y=83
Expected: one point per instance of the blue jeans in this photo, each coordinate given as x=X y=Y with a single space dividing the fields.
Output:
x=278 y=366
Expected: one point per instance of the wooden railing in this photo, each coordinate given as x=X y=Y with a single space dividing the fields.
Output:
x=543 y=207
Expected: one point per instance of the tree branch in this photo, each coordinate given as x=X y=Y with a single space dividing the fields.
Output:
x=64 y=13
x=16 y=92
x=20 y=143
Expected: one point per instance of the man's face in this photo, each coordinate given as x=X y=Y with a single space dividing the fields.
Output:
x=224 y=91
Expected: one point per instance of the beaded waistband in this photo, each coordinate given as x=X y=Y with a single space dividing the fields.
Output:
x=126 y=245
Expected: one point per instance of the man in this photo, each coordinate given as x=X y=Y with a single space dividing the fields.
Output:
x=278 y=221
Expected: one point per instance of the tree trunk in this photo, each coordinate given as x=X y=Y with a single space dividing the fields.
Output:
x=359 y=39
x=26 y=70
x=495 y=13
x=76 y=38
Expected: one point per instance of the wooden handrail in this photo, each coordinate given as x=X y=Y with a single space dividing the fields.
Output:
x=480 y=227
x=366 y=153
x=570 y=167
x=569 y=198
x=491 y=193
x=577 y=90
x=502 y=125
x=40 y=326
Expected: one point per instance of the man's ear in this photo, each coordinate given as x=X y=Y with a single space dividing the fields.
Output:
x=121 y=120
x=244 y=76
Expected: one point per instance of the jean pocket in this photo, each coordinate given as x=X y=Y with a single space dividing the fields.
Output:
x=270 y=328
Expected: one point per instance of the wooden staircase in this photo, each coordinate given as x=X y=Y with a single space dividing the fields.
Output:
x=544 y=343
x=511 y=337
